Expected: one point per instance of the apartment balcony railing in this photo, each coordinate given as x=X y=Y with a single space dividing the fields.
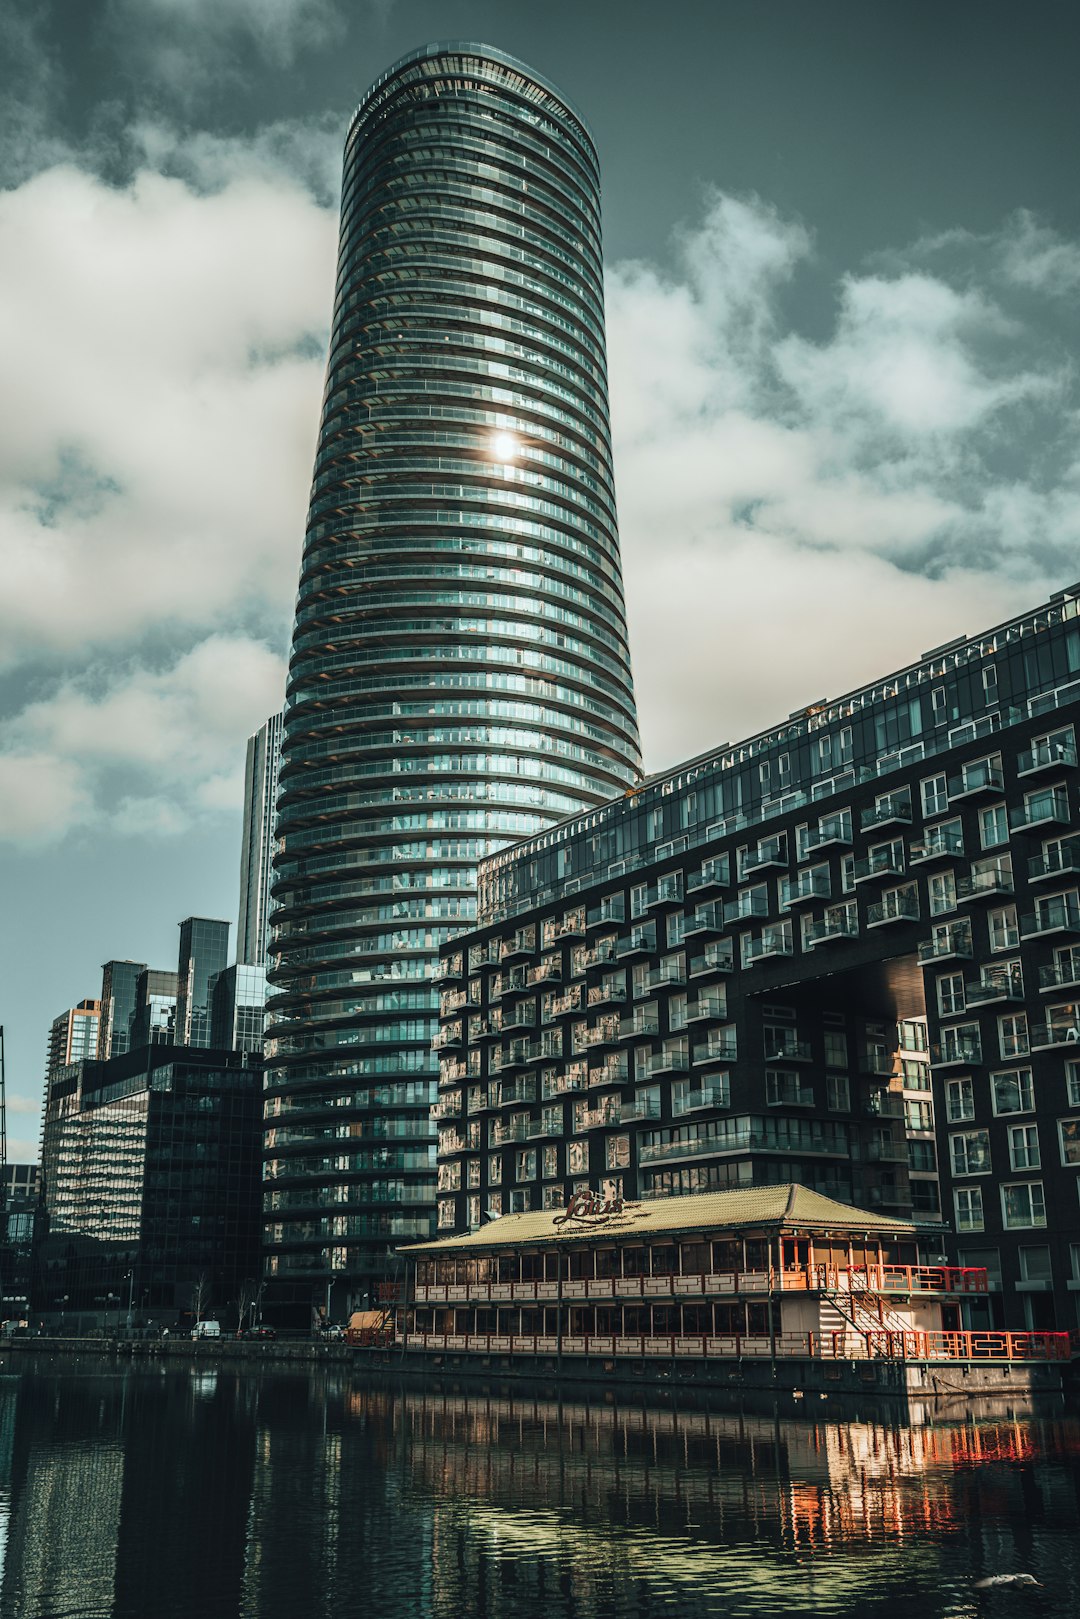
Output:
x=895 y=908
x=833 y=830
x=720 y=1048
x=746 y=908
x=805 y=886
x=939 y=843
x=1041 y=809
x=992 y=883
x=709 y=1096
x=770 y=942
x=1064 y=973
x=781 y=1046
x=639 y=1025
x=1047 y=1036
x=995 y=984
x=450 y=969
x=831 y=930
x=965 y=1051
x=892 y=811
x=638 y=942
x=704 y=920
x=878 y=865
x=717 y=957
x=609 y=992
x=545 y=972
x=712 y=874
x=522 y=943
x=612 y=1071
x=975 y=779
x=1046 y=756
x=1060 y=860
x=656 y=1063
x=768 y=853
x=949 y=943
x=557 y=929
x=1052 y=916
x=607 y=913
x=706 y=1007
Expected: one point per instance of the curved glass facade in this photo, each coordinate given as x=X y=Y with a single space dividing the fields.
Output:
x=460 y=676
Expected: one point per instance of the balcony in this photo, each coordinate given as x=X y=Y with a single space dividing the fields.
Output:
x=959 y=1051
x=939 y=843
x=452 y=1001
x=549 y=1047
x=483 y=955
x=1061 y=915
x=513 y=981
x=884 y=1105
x=995 y=984
x=831 y=830
x=713 y=874
x=607 y=913
x=512 y=1093
x=553 y=1083
x=638 y=942
x=612 y=1071
x=557 y=930
x=1065 y=972
x=831 y=930
x=520 y=944
x=522 y=1015
x=1041 y=809
x=642 y=1024
x=602 y=954
x=539 y=1128
x=991 y=883
x=1046 y=756
x=665 y=892
x=566 y=1005
x=450 y=1144
x=709 y=1096
x=951 y=942
x=746 y=908
x=504 y=1131
x=877 y=1062
x=771 y=942
x=901 y=907
x=895 y=810
x=548 y=971
x=1060 y=860
x=704 y=919
x=448 y=1108
x=451 y=969
x=882 y=863
x=606 y=1031
x=976 y=779
x=600 y=1118
x=718 y=1048
x=885 y=1152
x=717 y=957
x=781 y=1046
x=609 y=992
x=636 y=1111
x=804 y=887
x=1050 y=1036
x=486 y=1028
x=668 y=975
x=448 y=1039
x=656 y=1063
x=708 y=1006
x=769 y=852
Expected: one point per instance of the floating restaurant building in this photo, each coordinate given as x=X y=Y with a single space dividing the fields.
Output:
x=778 y=1274
x=844 y=953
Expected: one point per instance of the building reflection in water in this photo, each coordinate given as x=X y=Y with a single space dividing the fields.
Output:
x=162 y=1493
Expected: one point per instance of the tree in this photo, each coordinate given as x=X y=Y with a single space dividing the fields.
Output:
x=200 y=1295
x=249 y=1299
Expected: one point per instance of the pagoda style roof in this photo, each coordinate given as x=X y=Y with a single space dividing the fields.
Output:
x=786 y=1208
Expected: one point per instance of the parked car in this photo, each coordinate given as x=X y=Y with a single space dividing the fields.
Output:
x=258 y=1334
x=332 y=1332
x=206 y=1329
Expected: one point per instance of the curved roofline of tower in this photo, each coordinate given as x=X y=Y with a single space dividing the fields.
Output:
x=443 y=47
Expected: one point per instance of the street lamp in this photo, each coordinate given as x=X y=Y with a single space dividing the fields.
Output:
x=62 y=1301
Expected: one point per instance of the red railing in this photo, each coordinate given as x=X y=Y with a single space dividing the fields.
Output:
x=850 y=1345
x=803 y=1279
x=369 y=1337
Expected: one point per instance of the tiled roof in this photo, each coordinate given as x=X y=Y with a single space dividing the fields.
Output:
x=770 y=1207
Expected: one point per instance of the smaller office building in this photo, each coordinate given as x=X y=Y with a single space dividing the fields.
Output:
x=775 y=1272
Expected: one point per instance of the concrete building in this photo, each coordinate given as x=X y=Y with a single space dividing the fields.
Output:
x=844 y=953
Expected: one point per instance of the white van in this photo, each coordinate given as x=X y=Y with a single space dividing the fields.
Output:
x=206 y=1329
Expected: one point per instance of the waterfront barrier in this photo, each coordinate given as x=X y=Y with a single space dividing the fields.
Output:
x=884 y=1344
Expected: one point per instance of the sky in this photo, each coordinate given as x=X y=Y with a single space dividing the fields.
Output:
x=842 y=242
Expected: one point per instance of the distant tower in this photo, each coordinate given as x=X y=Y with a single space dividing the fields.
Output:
x=154 y=1019
x=460 y=674
x=204 y=950
x=74 y=1035
x=119 y=990
x=257 y=849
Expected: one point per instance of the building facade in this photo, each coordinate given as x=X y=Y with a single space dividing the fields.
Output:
x=73 y=1035
x=204 y=951
x=119 y=999
x=460 y=674
x=151 y=1175
x=261 y=767
x=845 y=953
x=238 y=1009
x=154 y=1018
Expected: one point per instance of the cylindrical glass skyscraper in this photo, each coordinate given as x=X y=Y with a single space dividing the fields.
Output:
x=460 y=675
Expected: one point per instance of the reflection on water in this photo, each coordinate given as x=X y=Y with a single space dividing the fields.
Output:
x=158 y=1493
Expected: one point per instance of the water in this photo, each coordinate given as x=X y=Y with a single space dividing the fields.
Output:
x=167 y=1494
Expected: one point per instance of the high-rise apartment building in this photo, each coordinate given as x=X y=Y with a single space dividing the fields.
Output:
x=204 y=950
x=460 y=675
x=845 y=952
x=257 y=850
x=119 y=999
x=73 y=1035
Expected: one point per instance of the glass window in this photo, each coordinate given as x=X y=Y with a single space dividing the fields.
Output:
x=993 y=826
x=935 y=795
x=836 y=1052
x=838 y=1093
x=1013 y=1034
x=1024 y=1147
x=919 y=1115
x=941 y=887
x=1072 y=1083
x=968 y=1203
x=959 y=1100
x=1013 y=1092
x=551 y=1162
x=617 y=1152
x=1069 y=1135
x=969 y=1151
x=1023 y=1206
x=950 y=993
x=1004 y=933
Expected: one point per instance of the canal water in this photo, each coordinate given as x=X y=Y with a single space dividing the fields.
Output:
x=158 y=1493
